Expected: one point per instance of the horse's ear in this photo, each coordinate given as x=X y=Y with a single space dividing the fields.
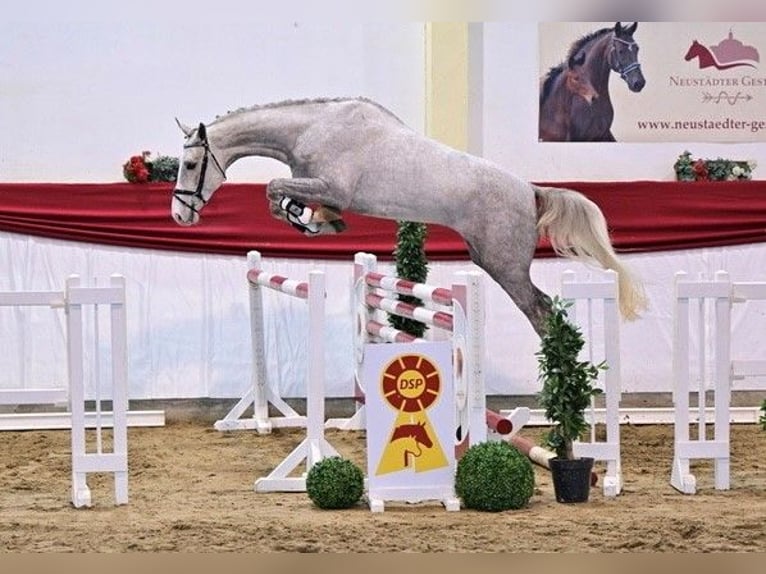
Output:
x=629 y=31
x=184 y=128
x=201 y=131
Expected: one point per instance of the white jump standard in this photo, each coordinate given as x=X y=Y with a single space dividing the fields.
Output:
x=314 y=447
x=84 y=460
x=713 y=300
x=603 y=293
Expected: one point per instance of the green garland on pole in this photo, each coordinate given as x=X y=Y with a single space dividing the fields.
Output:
x=411 y=264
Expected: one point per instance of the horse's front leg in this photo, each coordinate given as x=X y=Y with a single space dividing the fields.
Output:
x=288 y=199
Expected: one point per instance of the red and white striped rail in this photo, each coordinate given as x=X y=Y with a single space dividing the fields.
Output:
x=279 y=283
x=438 y=295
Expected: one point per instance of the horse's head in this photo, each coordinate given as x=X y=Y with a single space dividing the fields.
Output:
x=694 y=51
x=200 y=174
x=623 y=56
x=577 y=79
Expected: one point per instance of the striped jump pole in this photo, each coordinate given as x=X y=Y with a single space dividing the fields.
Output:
x=504 y=427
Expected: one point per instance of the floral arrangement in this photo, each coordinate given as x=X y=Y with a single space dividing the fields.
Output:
x=142 y=168
x=690 y=169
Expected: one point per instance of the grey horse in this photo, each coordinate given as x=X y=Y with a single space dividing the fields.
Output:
x=353 y=154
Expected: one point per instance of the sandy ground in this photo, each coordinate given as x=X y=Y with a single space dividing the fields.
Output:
x=191 y=489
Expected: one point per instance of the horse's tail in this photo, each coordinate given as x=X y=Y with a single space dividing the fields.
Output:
x=577 y=229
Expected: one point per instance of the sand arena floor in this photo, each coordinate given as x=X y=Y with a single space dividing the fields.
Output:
x=191 y=489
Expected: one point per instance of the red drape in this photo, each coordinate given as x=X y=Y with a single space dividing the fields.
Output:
x=642 y=216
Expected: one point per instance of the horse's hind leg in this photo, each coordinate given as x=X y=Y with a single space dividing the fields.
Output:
x=515 y=281
x=529 y=299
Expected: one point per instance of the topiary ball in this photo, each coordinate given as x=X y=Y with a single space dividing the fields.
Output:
x=334 y=483
x=494 y=476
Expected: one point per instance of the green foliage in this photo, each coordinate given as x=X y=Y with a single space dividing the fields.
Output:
x=494 y=476
x=719 y=169
x=762 y=420
x=567 y=382
x=411 y=264
x=164 y=168
x=141 y=168
x=335 y=483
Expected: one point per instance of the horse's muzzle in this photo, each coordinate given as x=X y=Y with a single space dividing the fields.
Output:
x=186 y=222
x=637 y=85
x=183 y=214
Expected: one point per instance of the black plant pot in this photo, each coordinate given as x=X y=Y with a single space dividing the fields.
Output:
x=571 y=478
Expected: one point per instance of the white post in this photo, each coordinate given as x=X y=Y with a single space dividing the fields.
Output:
x=80 y=491
x=681 y=477
x=722 y=401
x=260 y=390
x=315 y=374
x=119 y=343
x=468 y=353
x=364 y=263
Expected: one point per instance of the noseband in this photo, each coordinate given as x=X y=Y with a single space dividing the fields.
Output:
x=181 y=194
x=630 y=67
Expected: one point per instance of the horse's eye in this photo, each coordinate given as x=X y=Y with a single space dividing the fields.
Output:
x=190 y=164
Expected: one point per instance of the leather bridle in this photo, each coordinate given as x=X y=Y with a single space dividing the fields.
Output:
x=617 y=67
x=182 y=194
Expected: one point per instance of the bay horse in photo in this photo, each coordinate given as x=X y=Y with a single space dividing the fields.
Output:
x=353 y=154
x=562 y=85
x=605 y=51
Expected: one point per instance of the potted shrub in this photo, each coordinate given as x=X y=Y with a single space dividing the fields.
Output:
x=567 y=388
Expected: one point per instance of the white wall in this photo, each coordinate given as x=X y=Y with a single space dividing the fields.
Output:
x=81 y=91
x=83 y=88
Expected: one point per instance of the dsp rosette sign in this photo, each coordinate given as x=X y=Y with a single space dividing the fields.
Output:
x=410 y=421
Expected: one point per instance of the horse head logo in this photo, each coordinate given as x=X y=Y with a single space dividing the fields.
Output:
x=729 y=53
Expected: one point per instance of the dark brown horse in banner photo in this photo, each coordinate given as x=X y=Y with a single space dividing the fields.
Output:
x=581 y=110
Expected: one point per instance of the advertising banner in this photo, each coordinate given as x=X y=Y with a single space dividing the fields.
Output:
x=652 y=81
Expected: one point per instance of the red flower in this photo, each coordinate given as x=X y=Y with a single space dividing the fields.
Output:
x=700 y=170
x=135 y=169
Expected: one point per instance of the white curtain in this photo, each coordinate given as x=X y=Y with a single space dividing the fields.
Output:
x=189 y=324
